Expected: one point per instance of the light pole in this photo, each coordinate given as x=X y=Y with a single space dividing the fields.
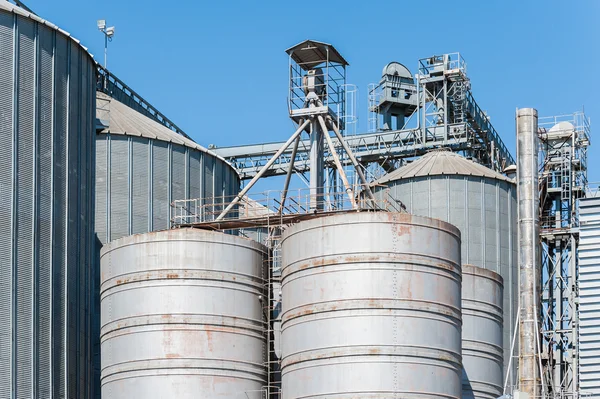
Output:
x=108 y=35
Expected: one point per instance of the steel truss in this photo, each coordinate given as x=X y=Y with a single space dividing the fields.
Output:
x=447 y=116
x=563 y=181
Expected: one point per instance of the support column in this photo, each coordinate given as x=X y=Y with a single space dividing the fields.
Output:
x=317 y=180
x=529 y=252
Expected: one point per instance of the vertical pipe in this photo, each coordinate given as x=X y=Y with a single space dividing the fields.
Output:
x=529 y=256
x=316 y=165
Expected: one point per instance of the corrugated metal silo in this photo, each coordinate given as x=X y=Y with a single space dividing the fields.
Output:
x=371 y=307
x=182 y=316
x=47 y=105
x=142 y=166
x=482 y=354
x=477 y=200
x=589 y=294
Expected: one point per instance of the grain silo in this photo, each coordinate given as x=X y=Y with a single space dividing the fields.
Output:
x=183 y=316
x=477 y=200
x=142 y=166
x=47 y=107
x=371 y=307
x=482 y=297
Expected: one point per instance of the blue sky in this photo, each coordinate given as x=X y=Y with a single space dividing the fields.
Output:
x=218 y=69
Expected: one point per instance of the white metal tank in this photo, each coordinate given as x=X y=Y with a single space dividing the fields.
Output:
x=480 y=202
x=371 y=307
x=47 y=106
x=182 y=316
x=482 y=354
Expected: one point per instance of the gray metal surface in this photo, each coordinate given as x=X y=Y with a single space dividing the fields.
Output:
x=529 y=252
x=371 y=308
x=482 y=353
x=142 y=166
x=589 y=296
x=47 y=103
x=481 y=203
x=182 y=316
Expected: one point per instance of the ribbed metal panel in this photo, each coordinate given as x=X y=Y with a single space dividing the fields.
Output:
x=44 y=214
x=72 y=275
x=160 y=186
x=140 y=201
x=209 y=181
x=47 y=101
x=24 y=216
x=119 y=187
x=589 y=296
x=182 y=316
x=6 y=196
x=484 y=210
x=101 y=187
x=134 y=194
x=60 y=217
x=179 y=174
x=371 y=308
x=195 y=171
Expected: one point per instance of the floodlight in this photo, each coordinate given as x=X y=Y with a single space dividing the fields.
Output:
x=101 y=24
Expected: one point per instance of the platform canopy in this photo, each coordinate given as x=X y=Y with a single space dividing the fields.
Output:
x=310 y=53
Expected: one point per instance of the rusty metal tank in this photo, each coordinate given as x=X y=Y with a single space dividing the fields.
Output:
x=482 y=354
x=182 y=316
x=481 y=203
x=371 y=307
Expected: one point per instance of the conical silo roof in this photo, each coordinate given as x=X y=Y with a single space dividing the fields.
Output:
x=441 y=162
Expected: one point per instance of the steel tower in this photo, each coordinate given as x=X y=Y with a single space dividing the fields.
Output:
x=562 y=182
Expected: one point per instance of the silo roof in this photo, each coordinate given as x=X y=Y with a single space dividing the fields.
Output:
x=5 y=5
x=124 y=120
x=311 y=53
x=438 y=162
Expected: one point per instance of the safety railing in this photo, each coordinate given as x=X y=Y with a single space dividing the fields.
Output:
x=273 y=204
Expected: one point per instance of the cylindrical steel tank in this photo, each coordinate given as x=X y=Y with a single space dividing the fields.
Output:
x=142 y=166
x=482 y=354
x=371 y=307
x=47 y=108
x=182 y=316
x=530 y=262
x=480 y=202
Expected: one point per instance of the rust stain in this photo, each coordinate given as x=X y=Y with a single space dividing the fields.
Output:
x=172 y=275
x=124 y=281
x=374 y=303
x=209 y=340
x=172 y=356
x=402 y=229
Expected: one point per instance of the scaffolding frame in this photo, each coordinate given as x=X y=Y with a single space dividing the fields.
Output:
x=564 y=141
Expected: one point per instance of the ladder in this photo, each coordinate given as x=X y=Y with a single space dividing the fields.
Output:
x=565 y=181
x=273 y=263
x=458 y=101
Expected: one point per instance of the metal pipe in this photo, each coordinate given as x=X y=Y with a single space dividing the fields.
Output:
x=263 y=170
x=338 y=164
x=529 y=256
x=354 y=162
x=288 y=177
